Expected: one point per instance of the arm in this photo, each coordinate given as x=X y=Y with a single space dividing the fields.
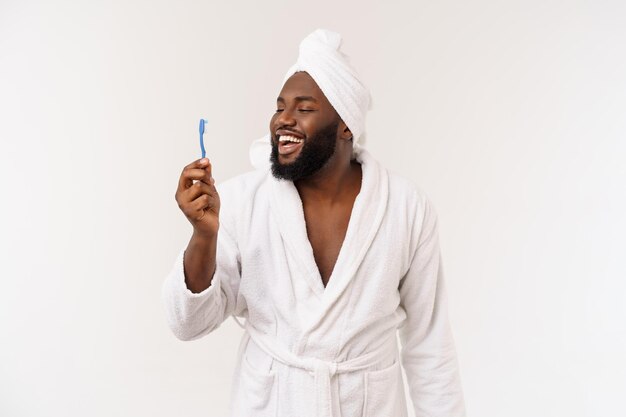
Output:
x=200 y=291
x=428 y=351
x=199 y=262
x=192 y=314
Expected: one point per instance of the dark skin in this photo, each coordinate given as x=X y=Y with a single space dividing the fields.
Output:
x=327 y=196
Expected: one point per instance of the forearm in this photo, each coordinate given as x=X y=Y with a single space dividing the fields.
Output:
x=199 y=262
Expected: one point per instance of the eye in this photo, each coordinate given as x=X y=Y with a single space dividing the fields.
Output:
x=279 y=110
x=305 y=110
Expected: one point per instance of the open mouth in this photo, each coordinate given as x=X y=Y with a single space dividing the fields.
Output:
x=288 y=145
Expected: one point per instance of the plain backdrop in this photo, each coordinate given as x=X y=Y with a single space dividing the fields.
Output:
x=511 y=115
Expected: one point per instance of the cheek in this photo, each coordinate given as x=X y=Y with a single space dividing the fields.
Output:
x=272 y=123
x=310 y=123
x=313 y=125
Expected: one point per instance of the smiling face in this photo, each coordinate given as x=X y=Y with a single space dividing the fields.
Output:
x=304 y=129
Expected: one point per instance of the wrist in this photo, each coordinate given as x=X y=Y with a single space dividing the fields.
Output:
x=204 y=239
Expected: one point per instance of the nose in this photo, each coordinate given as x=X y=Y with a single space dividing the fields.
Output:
x=284 y=118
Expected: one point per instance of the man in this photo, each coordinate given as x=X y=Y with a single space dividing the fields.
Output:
x=326 y=255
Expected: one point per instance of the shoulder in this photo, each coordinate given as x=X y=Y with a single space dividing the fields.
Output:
x=417 y=206
x=242 y=186
x=407 y=193
x=406 y=198
x=240 y=197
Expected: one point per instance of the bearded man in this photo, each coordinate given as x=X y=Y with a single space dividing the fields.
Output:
x=326 y=255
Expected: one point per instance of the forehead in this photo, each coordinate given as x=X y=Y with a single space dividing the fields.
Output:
x=302 y=84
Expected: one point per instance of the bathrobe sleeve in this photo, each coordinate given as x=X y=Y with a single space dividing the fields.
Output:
x=193 y=315
x=428 y=350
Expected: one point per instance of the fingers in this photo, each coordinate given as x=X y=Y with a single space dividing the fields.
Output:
x=202 y=203
x=197 y=170
x=198 y=189
x=205 y=202
x=193 y=208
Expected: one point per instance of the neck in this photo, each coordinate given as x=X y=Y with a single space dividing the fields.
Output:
x=337 y=180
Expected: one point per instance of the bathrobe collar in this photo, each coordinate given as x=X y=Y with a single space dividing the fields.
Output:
x=367 y=213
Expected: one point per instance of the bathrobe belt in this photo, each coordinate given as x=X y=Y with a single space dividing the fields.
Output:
x=321 y=370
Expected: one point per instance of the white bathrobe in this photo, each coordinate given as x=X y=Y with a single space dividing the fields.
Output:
x=314 y=351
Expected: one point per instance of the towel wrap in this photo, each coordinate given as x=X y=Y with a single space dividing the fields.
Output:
x=320 y=56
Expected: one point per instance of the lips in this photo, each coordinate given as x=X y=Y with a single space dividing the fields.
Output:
x=288 y=144
x=283 y=132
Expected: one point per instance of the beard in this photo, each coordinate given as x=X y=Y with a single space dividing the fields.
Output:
x=315 y=153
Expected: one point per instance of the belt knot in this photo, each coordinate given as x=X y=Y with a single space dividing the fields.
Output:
x=324 y=371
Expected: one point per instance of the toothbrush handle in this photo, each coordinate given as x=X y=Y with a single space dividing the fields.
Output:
x=202 y=122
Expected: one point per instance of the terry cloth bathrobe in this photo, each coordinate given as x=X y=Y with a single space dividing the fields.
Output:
x=315 y=351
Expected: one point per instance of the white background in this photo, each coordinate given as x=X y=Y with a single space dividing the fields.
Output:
x=509 y=114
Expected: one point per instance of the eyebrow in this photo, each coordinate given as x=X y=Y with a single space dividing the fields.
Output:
x=299 y=98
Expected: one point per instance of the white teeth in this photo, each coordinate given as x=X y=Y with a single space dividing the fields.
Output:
x=290 y=139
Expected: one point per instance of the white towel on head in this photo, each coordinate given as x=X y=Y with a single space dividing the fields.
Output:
x=321 y=58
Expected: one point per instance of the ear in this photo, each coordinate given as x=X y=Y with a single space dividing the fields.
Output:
x=345 y=133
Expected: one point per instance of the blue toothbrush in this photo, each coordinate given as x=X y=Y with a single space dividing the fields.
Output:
x=202 y=123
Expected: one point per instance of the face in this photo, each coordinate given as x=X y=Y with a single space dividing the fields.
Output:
x=304 y=129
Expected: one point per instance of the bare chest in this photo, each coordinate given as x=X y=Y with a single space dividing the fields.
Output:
x=326 y=230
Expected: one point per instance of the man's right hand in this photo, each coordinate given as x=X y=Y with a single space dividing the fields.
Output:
x=199 y=201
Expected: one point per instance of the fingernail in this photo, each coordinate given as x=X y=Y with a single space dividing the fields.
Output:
x=203 y=161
